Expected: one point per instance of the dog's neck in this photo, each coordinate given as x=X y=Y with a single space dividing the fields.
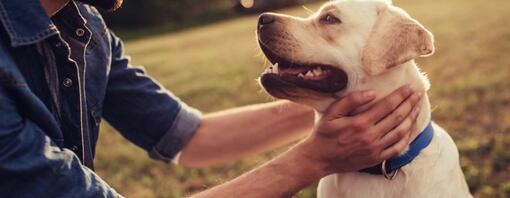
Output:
x=407 y=73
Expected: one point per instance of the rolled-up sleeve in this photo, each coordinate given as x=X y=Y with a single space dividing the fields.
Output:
x=143 y=111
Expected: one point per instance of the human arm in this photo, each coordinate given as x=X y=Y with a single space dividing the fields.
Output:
x=143 y=111
x=341 y=142
x=152 y=118
x=232 y=134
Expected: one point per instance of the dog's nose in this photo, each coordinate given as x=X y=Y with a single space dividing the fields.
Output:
x=265 y=19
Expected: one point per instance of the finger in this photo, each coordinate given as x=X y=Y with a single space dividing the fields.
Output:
x=400 y=131
x=395 y=135
x=397 y=148
x=348 y=104
x=396 y=117
x=384 y=107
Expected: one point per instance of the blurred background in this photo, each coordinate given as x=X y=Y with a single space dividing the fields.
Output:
x=206 y=53
x=159 y=16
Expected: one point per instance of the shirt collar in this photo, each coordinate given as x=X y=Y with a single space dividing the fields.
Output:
x=25 y=21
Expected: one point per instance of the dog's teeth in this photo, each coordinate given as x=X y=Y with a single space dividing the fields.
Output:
x=309 y=74
x=275 y=68
x=268 y=70
x=301 y=75
x=317 y=71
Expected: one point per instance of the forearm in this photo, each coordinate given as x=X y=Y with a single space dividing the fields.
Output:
x=338 y=144
x=232 y=134
x=282 y=177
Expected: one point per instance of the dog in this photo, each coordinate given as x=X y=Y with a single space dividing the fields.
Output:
x=356 y=45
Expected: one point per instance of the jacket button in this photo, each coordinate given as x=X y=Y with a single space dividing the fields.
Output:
x=80 y=32
x=74 y=148
x=68 y=82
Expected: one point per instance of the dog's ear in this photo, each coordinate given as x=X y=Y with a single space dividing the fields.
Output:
x=395 y=39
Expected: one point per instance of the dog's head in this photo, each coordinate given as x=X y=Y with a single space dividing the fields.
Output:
x=319 y=59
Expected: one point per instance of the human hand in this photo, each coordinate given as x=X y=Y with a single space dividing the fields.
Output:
x=343 y=142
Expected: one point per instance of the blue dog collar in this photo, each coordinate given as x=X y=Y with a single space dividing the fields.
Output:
x=391 y=166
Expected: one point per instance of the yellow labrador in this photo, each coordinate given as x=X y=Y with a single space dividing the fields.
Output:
x=353 y=46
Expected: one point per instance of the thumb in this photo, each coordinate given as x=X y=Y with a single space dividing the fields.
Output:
x=348 y=104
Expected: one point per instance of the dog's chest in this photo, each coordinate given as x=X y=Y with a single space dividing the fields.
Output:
x=434 y=173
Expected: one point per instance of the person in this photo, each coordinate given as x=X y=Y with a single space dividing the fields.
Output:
x=62 y=70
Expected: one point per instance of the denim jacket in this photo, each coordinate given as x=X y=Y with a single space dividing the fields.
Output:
x=59 y=77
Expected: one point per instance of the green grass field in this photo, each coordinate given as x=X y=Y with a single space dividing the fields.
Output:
x=214 y=67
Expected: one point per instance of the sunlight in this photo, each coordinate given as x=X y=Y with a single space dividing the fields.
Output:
x=247 y=3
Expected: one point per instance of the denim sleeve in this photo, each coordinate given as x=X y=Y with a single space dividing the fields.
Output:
x=143 y=111
x=31 y=165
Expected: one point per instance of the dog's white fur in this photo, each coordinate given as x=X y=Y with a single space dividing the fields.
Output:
x=375 y=45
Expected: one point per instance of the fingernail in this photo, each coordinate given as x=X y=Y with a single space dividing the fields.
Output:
x=369 y=94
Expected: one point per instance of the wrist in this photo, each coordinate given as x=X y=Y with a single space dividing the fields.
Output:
x=307 y=161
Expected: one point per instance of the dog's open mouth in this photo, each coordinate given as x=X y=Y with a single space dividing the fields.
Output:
x=317 y=77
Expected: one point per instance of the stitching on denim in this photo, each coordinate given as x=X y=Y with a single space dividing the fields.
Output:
x=86 y=146
x=7 y=79
x=5 y=20
x=174 y=140
x=96 y=20
x=159 y=155
x=77 y=7
x=36 y=38
x=17 y=40
x=174 y=136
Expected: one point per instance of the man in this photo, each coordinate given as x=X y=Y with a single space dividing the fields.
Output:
x=62 y=70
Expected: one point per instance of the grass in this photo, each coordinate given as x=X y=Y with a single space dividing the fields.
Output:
x=214 y=67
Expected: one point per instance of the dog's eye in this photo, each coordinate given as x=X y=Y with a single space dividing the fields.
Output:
x=329 y=19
